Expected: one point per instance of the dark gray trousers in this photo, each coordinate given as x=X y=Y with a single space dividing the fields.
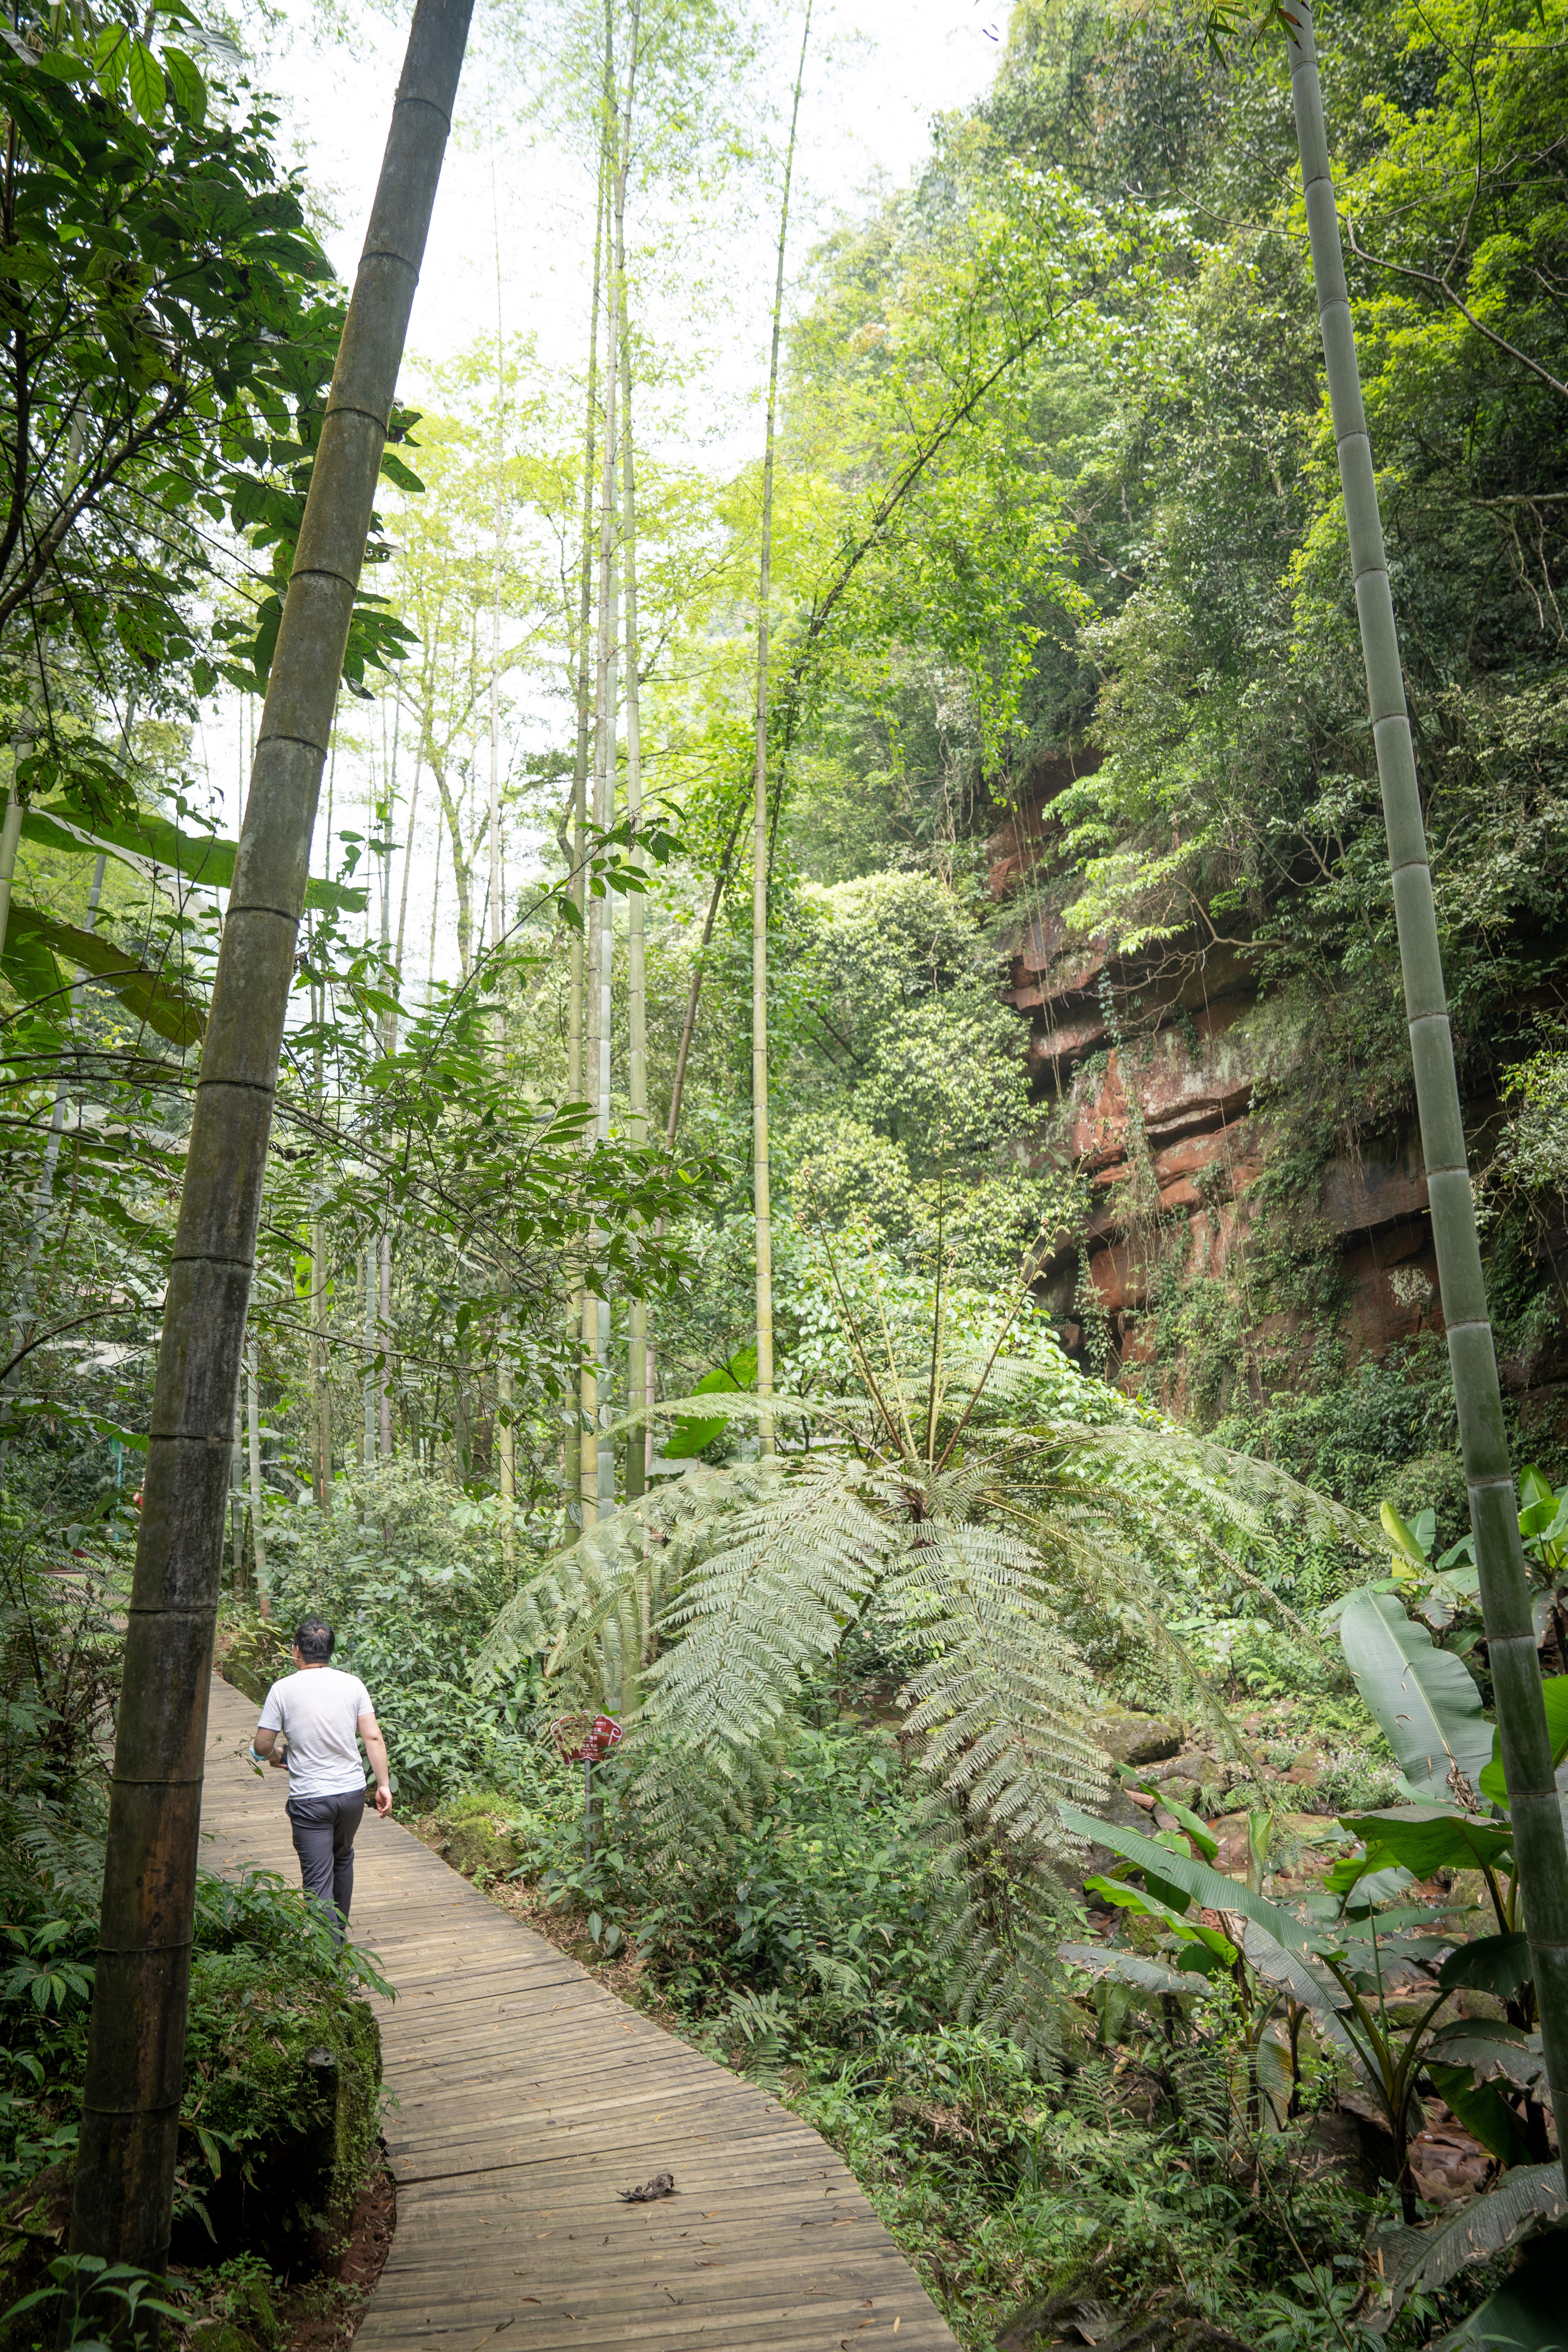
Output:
x=324 y=1830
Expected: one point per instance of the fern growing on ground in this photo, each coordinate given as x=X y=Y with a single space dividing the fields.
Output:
x=981 y=1500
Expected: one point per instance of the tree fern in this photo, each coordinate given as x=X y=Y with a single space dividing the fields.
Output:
x=957 y=1493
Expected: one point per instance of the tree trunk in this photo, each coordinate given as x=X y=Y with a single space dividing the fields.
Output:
x=130 y=2124
x=1499 y=1558
x=572 y=1480
x=253 y=1431
x=462 y=862
x=761 y=1189
x=599 y=1461
x=636 y=975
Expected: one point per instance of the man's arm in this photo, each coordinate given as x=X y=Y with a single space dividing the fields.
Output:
x=375 y=1748
x=262 y=1743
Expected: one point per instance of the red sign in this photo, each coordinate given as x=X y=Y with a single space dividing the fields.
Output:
x=584 y=1738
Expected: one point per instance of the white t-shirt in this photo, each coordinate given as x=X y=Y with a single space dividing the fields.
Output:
x=320 y=1709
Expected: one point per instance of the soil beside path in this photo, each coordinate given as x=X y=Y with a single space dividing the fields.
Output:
x=525 y=2096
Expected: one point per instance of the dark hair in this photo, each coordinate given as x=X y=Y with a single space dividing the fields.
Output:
x=315 y=1640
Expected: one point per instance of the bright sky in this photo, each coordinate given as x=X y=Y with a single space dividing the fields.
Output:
x=880 y=71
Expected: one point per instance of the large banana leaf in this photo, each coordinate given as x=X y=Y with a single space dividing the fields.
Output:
x=1195 y=1879
x=1424 y=1838
x=1492 y=2050
x=1555 y=1692
x=1528 y=2313
x=151 y=843
x=1130 y=1967
x=1425 y=1699
x=33 y=939
x=1523 y=2198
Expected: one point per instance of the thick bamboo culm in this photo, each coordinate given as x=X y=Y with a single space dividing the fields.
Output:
x=1489 y=1472
x=130 y=2124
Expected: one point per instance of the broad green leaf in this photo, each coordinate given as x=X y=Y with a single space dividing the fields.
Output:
x=1534 y=1488
x=1483 y=2111
x=153 y=844
x=1525 y=2197
x=112 y=56
x=146 y=77
x=1205 y=1885
x=688 y=1435
x=1130 y=1967
x=1150 y=1906
x=1493 y=1782
x=1425 y=1699
x=187 y=83
x=1407 y=1543
x=1491 y=2047
x=1424 y=1838
x=1499 y=1964
x=148 y=994
x=1527 y=2313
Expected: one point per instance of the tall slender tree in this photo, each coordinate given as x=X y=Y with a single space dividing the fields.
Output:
x=577 y=983
x=131 y=2108
x=1534 y=1808
x=761 y=1185
x=637 y=969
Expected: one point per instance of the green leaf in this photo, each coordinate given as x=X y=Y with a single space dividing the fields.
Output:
x=395 y=471
x=187 y=83
x=1205 y=1885
x=148 y=994
x=1483 y=2111
x=1424 y=1838
x=147 y=88
x=1424 y=1698
x=1497 y=1964
x=1526 y=2196
x=112 y=56
x=1489 y=2047
x=1534 y=1488
x=1130 y=1967
x=151 y=843
x=1493 y=1782
x=1404 y=1539
x=1151 y=1906
x=1526 y=2314
x=689 y=1436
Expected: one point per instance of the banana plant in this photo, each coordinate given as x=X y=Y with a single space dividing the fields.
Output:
x=1446 y=1591
x=1356 y=1956
x=1350 y=1964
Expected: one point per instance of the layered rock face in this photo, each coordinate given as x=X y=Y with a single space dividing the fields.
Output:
x=1157 y=1072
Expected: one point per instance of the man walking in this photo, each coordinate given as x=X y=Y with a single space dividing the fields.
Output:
x=322 y=1714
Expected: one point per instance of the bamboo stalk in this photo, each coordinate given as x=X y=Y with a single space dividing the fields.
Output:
x=599 y=1460
x=637 y=969
x=253 y=1432
x=130 y=2122
x=1504 y=1585
x=761 y=1180
x=572 y=1480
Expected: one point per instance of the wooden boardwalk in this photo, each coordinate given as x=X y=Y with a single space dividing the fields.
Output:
x=525 y=2095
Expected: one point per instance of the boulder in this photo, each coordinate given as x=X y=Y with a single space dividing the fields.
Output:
x=1132 y=1739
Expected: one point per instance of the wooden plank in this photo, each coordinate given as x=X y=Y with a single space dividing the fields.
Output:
x=529 y=2097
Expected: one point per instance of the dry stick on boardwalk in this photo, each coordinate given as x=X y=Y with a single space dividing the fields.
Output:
x=528 y=2097
x=136 y=2048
